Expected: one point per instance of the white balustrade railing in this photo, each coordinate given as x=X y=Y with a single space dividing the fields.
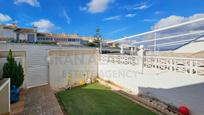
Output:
x=177 y=64
x=118 y=59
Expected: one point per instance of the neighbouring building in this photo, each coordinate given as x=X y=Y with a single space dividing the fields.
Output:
x=26 y=35
x=7 y=32
x=12 y=33
x=64 y=39
x=61 y=39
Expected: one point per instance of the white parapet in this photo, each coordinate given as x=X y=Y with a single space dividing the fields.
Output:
x=5 y=96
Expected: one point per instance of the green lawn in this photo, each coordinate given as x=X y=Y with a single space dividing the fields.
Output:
x=96 y=99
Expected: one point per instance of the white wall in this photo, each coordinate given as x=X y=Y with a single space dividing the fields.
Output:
x=23 y=36
x=7 y=33
x=5 y=97
x=80 y=66
x=36 y=65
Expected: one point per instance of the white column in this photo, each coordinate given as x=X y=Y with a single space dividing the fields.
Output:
x=135 y=51
x=121 y=49
x=141 y=58
x=131 y=51
x=155 y=43
x=101 y=45
x=35 y=37
x=191 y=66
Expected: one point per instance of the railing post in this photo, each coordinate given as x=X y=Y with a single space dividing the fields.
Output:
x=121 y=49
x=155 y=62
x=141 y=58
x=191 y=66
x=196 y=67
x=131 y=51
x=171 y=65
x=186 y=66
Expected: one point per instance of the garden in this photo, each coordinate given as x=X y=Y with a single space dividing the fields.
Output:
x=96 y=99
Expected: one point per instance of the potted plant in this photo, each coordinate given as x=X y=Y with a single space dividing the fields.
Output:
x=15 y=72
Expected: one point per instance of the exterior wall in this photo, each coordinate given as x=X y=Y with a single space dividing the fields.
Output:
x=78 y=64
x=5 y=96
x=25 y=37
x=36 y=61
x=36 y=65
x=7 y=33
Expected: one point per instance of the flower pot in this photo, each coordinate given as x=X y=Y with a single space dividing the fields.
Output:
x=15 y=93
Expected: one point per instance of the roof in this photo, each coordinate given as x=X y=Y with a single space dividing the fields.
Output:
x=25 y=30
x=10 y=26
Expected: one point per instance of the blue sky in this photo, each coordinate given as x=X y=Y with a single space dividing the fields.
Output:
x=116 y=18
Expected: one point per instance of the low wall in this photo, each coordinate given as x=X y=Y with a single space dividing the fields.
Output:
x=71 y=66
x=5 y=96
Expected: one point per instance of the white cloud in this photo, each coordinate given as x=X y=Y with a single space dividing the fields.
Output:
x=4 y=18
x=112 y=18
x=33 y=3
x=171 y=20
x=96 y=6
x=130 y=15
x=66 y=16
x=44 y=25
x=140 y=6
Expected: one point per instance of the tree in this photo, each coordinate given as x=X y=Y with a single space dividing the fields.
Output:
x=97 y=40
x=13 y=70
x=20 y=75
x=8 y=67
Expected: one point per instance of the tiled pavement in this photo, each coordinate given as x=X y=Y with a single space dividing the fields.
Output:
x=41 y=101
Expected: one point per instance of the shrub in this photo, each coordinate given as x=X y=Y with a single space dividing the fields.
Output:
x=13 y=70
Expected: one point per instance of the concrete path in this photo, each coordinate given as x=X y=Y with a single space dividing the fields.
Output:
x=41 y=101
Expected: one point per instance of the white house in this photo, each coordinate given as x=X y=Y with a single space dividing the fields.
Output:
x=7 y=32
x=25 y=34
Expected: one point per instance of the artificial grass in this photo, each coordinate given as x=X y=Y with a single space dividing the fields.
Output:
x=96 y=99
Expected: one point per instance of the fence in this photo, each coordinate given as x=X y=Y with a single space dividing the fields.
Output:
x=184 y=65
x=5 y=96
x=119 y=59
x=69 y=67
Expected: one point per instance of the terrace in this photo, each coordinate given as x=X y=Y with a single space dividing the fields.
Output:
x=88 y=82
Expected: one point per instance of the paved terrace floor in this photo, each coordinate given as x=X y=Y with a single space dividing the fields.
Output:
x=41 y=101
